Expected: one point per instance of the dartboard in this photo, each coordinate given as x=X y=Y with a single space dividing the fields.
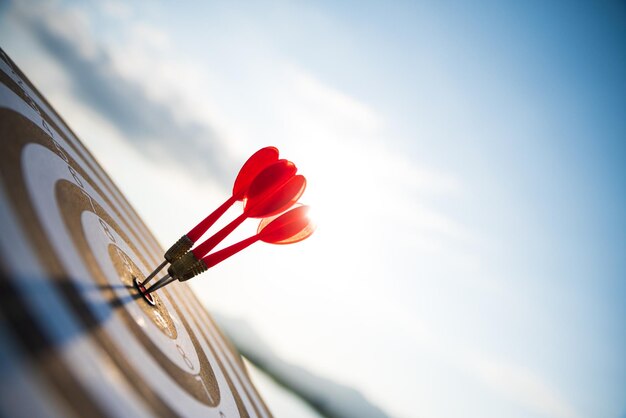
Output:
x=75 y=338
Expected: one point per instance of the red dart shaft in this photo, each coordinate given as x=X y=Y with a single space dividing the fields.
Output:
x=210 y=243
x=199 y=230
x=221 y=255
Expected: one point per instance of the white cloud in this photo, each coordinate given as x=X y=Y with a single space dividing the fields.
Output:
x=524 y=387
x=336 y=106
x=116 y=9
x=152 y=38
x=131 y=86
x=70 y=22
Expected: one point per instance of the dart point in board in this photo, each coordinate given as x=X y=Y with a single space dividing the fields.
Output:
x=142 y=290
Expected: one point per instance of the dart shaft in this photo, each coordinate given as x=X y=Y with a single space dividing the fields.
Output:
x=207 y=222
x=221 y=255
x=163 y=281
x=154 y=273
x=210 y=243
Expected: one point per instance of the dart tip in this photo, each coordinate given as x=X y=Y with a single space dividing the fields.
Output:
x=142 y=291
x=164 y=281
x=154 y=273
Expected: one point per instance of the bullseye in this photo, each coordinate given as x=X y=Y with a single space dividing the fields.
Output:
x=142 y=291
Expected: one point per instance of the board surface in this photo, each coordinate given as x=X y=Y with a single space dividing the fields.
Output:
x=75 y=338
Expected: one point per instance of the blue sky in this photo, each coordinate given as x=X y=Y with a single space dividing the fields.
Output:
x=466 y=161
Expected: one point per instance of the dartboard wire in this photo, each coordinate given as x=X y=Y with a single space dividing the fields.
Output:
x=37 y=103
x=232 y=355
x=207 y=326
x=234 y=363
x=243 y=405
x=228 y=347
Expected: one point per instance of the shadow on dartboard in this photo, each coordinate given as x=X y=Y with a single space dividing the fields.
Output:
x=77 y=338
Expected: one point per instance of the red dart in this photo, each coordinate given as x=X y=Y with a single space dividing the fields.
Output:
x=290 y=227
x=250 y=169
x=273 y=191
